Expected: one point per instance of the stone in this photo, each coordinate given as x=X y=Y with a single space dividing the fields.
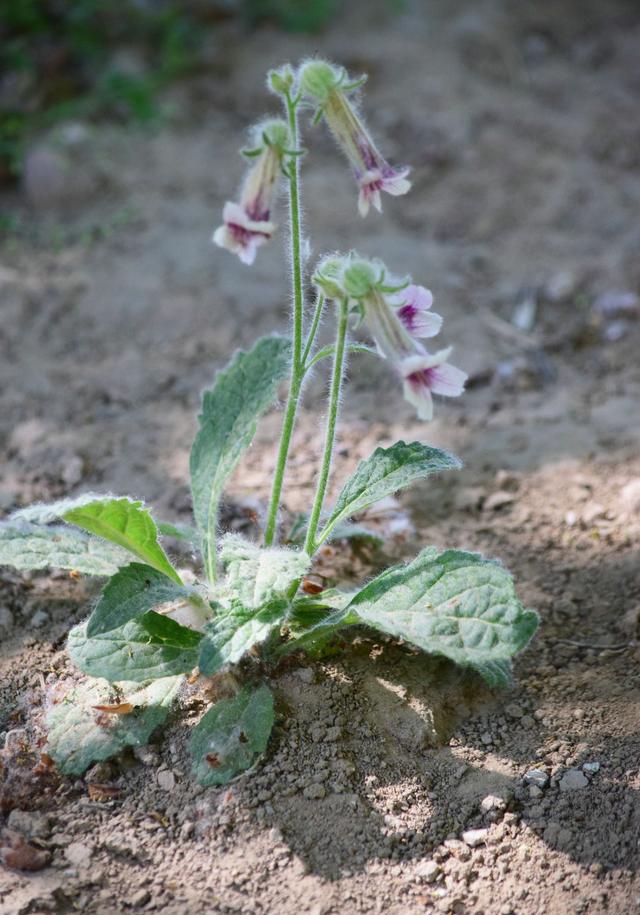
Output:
x=140 y=898
x=475 y=837
x=166 y=779
x=591 y=768
x=573 y=780
x=39 y=619
x=315 y=792
x=592 y=512
x=31 y=825
x=429 y=871
x=498 y=500
x=536 y=777
x=78 y=854
x=492 y=803
x=306 y=674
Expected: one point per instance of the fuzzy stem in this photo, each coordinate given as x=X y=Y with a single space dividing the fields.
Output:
x=297 y=369
x=332 y=418
x=313 y=330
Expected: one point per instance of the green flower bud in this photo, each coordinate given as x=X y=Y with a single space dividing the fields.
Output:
x=359 y=278
x=318 y=78
x=280 y=81
x=328 y=277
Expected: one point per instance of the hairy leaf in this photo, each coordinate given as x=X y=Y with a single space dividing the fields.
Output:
x=131 y=592
x=227 y=424
x=32 y=546
x=230 y=635
x=135 y=651
x=80 y=735
x=456 y=604
x=232 y=735
x=257 y=575
x=386 y=471
x=182 y=532
x=119 y=520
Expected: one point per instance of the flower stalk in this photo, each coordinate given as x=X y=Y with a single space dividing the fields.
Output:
x=297 y=364
x=332 y=419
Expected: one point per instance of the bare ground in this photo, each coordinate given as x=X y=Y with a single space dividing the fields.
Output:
x=521 y=124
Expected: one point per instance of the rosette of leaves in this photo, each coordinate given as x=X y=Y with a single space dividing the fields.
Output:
x=150 y=628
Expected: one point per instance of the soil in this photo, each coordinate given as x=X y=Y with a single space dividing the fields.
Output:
x=520 y=122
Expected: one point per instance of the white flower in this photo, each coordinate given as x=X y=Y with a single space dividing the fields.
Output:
x=427 y=374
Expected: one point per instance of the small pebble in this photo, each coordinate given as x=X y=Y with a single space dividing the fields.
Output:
x=475 y=837
x=591 y=768
x=429 y=871
x=573 y=780
x=166 y=779
x=536 y=777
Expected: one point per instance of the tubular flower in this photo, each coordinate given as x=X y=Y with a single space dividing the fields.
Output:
x=327 y=86
x=396 y=317
x=247 y=225
x=413 y=308
x=430 y=374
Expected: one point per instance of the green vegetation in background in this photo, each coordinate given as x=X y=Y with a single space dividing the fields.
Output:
x=59 y=60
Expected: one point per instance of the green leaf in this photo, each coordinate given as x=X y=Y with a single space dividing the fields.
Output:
x=131 y=592
x=257 y=575
x=386 y=471
x=496 y=674
x=32 y=546
x=230 y=411
x=80 y=735
x=230 y=635
x=136 y=651
x=118 y=520
x=456 y=604
x=314 y=622
x=232 y=736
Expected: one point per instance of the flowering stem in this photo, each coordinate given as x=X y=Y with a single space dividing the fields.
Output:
x=313 y=330
x=297 y=366
x=332 y=418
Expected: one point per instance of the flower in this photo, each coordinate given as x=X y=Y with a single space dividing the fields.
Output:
x=246 y=225
x=327 y=86
x=427 y=374
x=397 y=315
x=413 y=304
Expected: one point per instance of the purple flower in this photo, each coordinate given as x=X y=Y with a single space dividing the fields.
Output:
x=413 y=308
x=427 y=374
x=396 y=316
x=246 y=225
x=327 y=87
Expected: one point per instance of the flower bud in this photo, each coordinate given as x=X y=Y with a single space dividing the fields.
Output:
x=328 y=277
x=318 y=78
x=359 y=278
x=281 y=80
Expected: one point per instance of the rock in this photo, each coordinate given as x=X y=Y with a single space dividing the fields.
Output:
x=561 y=286
x=498 y=500
x=39 y=619
x=333 y=734
x=492 y=804
x=140 y=898
x=166 y=779
x=591 y=768
x=78 y=854
x=458 y=849
x=306 y=674
x=536 y=777
x=18 y=854
x=429 y=871
x=315 y=792
x=31 y=825
x=616 y=303
x=573 y=780
x=630 y=495
x=475 y=837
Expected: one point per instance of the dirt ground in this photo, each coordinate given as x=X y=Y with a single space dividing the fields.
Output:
x=521 y=124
